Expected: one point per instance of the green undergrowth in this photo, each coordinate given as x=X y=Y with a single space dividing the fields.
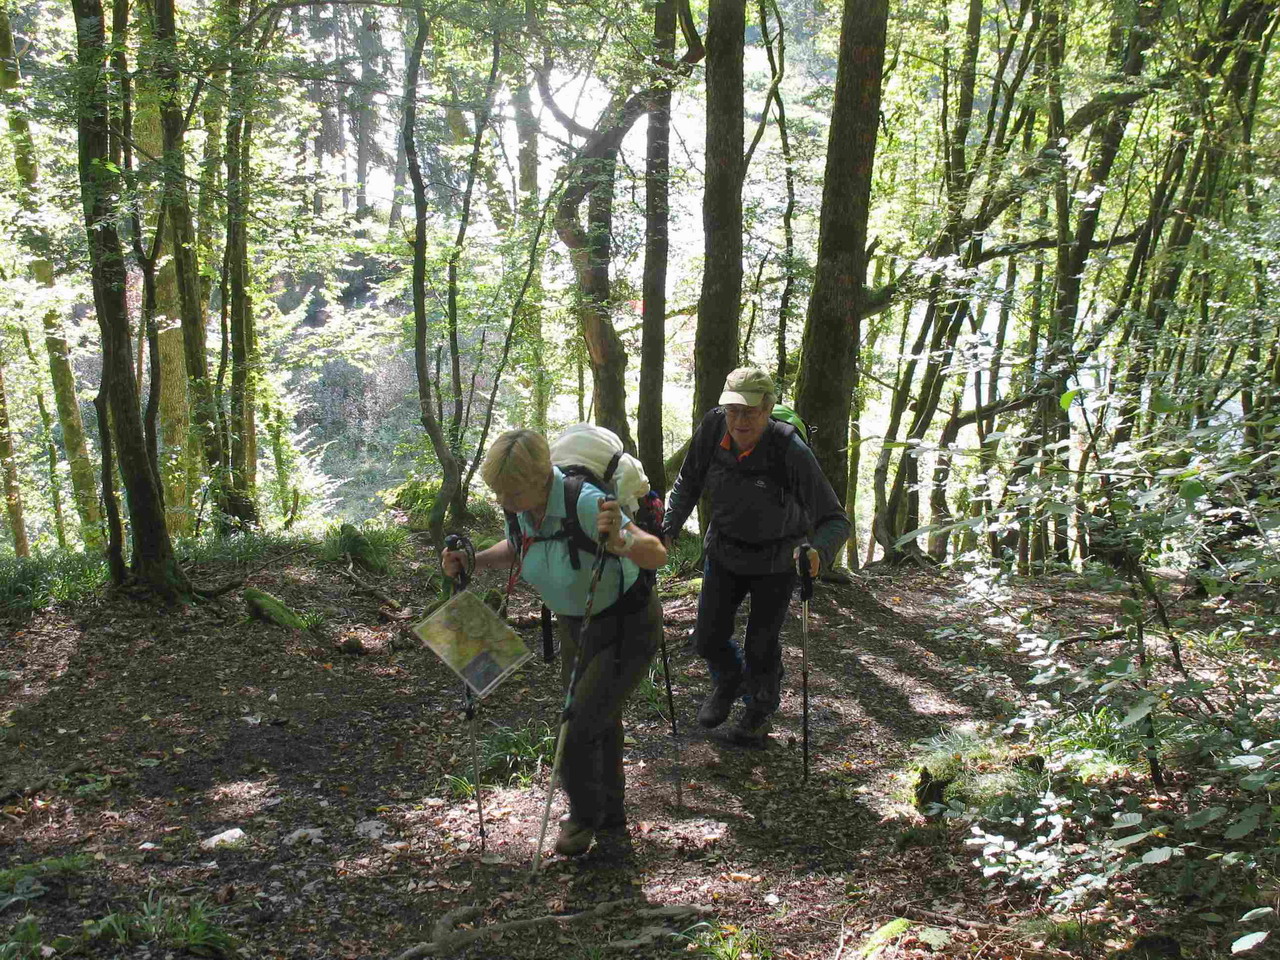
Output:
x=374 y=546
x=27 y=881
x=508 y=756
x=1065 y=805
x=167 y=923
x=33 y=583
x=725 y=941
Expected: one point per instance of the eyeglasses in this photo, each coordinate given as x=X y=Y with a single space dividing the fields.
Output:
x=738 y=412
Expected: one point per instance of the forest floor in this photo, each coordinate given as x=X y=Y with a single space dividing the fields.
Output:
x=134 y=737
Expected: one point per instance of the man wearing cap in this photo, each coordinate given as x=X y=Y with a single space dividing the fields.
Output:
x=767 y=495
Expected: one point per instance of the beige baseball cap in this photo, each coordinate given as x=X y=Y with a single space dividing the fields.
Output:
x=747 y=386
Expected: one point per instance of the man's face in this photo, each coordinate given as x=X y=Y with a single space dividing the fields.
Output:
x=747 y=424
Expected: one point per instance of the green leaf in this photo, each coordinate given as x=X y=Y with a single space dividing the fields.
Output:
x=1127 y=820
x=1256 y=914
x=935 y=937
x=1192 y=490
x=1203 y=817
x=1162 y=404
x=1131 y=839
x=1157 y=855
x=1131 y=608
x=1249 y=941
x=1139 y=710
x=1067 y=398
x=1244 y=825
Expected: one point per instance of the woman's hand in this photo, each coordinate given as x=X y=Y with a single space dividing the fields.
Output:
x=609 y=522
x=454 y=562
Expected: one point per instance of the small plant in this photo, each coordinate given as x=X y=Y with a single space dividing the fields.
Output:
x=24 y=941
x=517 y=755
x=23 y=882
x=653 y=689
x=460 y=787
x=725 y=941
x=168 y=923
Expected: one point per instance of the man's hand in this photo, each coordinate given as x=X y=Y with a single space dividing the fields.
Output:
x=814 y=561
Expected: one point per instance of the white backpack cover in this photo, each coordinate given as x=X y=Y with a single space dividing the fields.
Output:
x=594 y=447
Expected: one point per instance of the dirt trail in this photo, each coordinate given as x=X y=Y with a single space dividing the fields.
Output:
x=151 y=733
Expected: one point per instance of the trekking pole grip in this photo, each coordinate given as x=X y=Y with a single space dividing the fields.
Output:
x=806 y=578
x=460 y=544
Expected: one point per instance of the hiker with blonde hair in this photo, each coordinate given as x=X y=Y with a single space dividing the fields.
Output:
x=626 y=619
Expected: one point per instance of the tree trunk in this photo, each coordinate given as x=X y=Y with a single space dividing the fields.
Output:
x=153 y=561
x=657 y=191
x=9 y=469
x=51 y=449
x=243 y=336
x=536 y=350
x=829 y=359
x=452 y=474
x=720 y=305
x=83 y=486
x=457 y=424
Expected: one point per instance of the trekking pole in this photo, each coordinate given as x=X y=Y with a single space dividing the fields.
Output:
x=806 y=591
x=671 y=708
x=462 y=544
x=565 y=711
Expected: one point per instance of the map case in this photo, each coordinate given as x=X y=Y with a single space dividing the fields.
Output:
x=474 y=642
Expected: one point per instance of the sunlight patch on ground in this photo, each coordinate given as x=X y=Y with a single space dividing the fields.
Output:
x=241 y=798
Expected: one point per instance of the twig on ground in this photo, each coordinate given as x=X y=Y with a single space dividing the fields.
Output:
x=35 y=786
x=844 y=936
x=447 y=940
x=369 y=588
x=212 y=593
x=930 y=916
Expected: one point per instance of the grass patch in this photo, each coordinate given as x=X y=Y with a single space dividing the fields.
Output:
x=970 y=766
x=164 y=922
x=683 y=558
x=374 y=546
x=28 y=584
x=249 y=549
x=509 y=756
x=25 y=881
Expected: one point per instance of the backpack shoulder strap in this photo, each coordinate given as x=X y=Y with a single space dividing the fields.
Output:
x=780 y=440
x=713 y=425
x=514 y=533
x=577 y=537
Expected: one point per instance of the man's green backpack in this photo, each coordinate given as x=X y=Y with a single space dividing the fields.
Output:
x=787 y=415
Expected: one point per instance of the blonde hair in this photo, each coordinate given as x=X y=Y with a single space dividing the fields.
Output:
x=519 y=460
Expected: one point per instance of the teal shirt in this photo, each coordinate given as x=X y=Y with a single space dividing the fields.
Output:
x=547 y=568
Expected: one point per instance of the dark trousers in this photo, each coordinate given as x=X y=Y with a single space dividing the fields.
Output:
x=758 y=663
x=618 y=651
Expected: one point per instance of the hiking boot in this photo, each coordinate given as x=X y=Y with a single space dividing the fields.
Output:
x=574 y=838
x=752 y=728
x=715 y=709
